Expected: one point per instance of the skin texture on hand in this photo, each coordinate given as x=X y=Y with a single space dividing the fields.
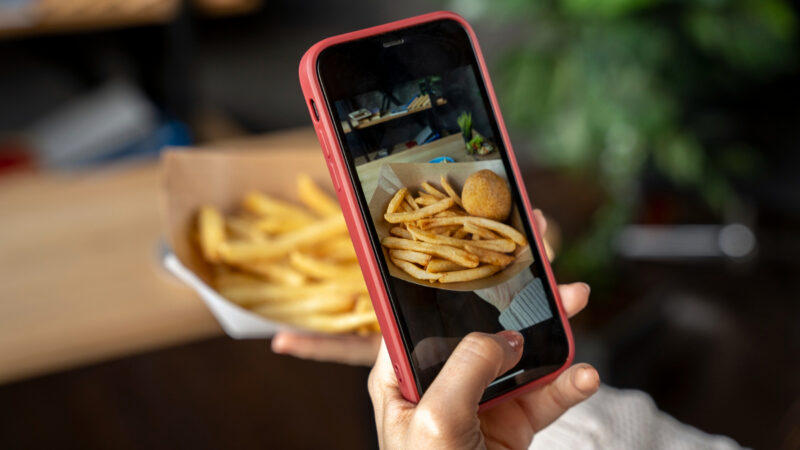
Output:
x=346 y=349
x=447 y=415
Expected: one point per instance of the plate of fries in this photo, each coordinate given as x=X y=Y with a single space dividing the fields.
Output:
x=429 y=239
x=266 y=249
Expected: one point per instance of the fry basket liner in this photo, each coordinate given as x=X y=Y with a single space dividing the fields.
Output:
x=411 y=175
x=192 y=178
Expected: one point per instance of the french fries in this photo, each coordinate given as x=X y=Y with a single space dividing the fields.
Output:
x=397 y=200
x=410 y=256
x=211 y=231
x=313 y=197
x=432 y=190
x=459 y=276
x=493 y=225
x=500 y=245
x=319 y=231
x=291 y=263
x=415 y=271
x=456 y=255
x=437 y=265
x=450 y=191
x=489 y=256
x=435 y=240
x=399 y=217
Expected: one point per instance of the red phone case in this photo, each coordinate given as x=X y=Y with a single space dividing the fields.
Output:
x=334 y=156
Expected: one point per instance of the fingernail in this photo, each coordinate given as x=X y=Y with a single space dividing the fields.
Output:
x=587 y=287
x=514 y=338
x=585 y=380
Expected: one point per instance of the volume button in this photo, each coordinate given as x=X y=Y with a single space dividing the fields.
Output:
x=326 y=150
x=334 y=175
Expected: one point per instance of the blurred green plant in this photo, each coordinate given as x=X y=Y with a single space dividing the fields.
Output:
x=464 y=121
x=603 y=88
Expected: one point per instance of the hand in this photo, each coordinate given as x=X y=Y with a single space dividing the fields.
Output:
x=347 y=349
x=447 y=415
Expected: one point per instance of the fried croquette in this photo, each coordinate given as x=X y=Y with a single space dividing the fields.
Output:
x=486 y=194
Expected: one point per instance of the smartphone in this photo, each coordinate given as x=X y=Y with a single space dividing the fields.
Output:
x=409 y=104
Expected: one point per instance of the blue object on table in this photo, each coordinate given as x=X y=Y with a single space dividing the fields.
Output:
x=442 y=159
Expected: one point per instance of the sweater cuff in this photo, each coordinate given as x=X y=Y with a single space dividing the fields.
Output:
x=528 y=308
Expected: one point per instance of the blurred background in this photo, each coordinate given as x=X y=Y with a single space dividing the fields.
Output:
x=662 y=139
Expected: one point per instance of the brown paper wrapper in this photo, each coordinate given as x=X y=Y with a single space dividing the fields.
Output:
x=220 y=178
x=411 y=175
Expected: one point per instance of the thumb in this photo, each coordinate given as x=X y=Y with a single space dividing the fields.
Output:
x=477 y=360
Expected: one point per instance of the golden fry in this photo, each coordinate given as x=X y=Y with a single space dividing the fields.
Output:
x=400 y=232
x=244 y=229
x=447 y=213
x=432 y=190
x=321 y=270
x=395 y=202
x=450 y=191
x=281 y=224
x=238 y=252
x=489 y=256
x=421 y=213
x=246 y=294
x=460 y=233
x=277 y=272
x=477 y=273
x=264 y=205
x=211 y=228
x=332 y=323
x=410 y=201
x=480 y=232
x=314 y=197
x=415 y=271
x=445 y=230
x=456 y=255
x=338 y=249
x=363 y=304
x=493 y=225
x=317 y=304
x=425 y=201
x=437 y=265
x=410 y=256
x=499 y=245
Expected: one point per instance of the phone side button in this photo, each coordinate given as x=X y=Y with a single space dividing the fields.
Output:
x=326 y=150
x=397 y=373
x=334 y=177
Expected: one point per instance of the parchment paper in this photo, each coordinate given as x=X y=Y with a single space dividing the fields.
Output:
x=192 y=178
x=411 y=175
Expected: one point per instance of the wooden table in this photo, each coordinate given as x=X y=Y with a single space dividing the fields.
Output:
x=80 y=275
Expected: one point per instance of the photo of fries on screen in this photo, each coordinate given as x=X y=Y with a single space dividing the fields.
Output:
x=291 y=263
x=455 y=231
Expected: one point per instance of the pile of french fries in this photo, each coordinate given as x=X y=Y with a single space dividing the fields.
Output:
x=290 y=263
x=434 y=239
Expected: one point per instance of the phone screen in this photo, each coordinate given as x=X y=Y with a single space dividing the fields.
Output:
x=411 y=111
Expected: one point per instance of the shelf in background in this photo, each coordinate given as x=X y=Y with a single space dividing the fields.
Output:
x=53 y=16
x=347 y=128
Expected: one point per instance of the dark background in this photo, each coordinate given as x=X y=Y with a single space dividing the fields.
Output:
x=715 y=341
